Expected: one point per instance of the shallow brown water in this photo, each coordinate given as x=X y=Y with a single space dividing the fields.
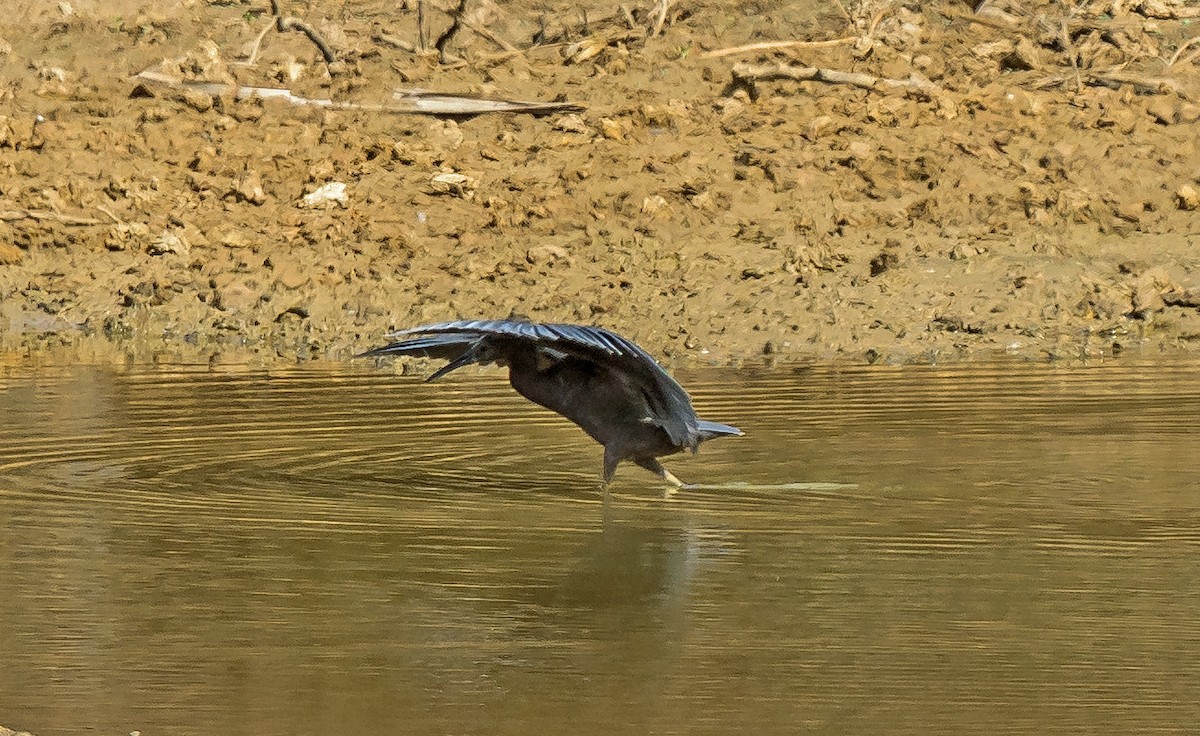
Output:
x=1011 y=549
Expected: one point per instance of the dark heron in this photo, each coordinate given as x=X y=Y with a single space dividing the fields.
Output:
x=601 y=381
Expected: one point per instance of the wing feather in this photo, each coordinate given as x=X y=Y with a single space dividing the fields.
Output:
x=446 y=346
x=672 y=404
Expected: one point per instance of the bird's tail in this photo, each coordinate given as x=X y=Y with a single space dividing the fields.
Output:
x=712 y=430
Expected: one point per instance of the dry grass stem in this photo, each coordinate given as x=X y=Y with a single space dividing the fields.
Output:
x=1184 y=47
x=772 y=45
x=660 y=17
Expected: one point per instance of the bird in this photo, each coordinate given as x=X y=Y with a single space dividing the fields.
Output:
x=603 y=382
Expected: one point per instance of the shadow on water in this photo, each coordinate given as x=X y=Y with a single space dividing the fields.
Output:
x=1006 y=549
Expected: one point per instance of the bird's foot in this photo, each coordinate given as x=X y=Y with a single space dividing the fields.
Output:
x=673 y=483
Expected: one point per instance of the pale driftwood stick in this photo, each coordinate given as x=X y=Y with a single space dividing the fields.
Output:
x=405 y=102
x=771 y=45
x=660 y=17
x=1183 y=47
x=761 y=72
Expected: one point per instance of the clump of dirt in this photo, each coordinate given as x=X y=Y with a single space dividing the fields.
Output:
x=901 y=181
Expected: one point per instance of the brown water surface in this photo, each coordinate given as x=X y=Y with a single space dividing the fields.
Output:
x=1005 y=549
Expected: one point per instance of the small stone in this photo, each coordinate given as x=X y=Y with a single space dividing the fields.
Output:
x=1164 y=111
x=197 y=100
x=168 y=243
x=570 y=123
x=992 y=49
x=454 y=183
x=818 y=126
x=333 y=192
x=1187 y=198
x=250 y=189
x=290 y=276
x=545 y=254
x=611 y=129
x=653 y=204
x=10 y=254
x=236 y=296
x=581 y=51
x=886 y=259
x=234 y=239
x=1023 y=57
x=860 y=150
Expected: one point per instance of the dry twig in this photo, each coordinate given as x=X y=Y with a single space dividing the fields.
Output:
x=288 y=23
x=422 y=40
x=1116 y=77
x=1068 y=47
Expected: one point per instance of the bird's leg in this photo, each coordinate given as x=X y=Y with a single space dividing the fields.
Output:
x=654 y=466
x=611 y=458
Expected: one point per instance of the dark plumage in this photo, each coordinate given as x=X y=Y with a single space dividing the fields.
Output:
x=601 y=381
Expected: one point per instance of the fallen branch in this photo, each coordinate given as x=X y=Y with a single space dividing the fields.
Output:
x=10 y=215
x=1113 y=78
x=1161 y=85
x=772 y=45
x=745 y=75
x=411 y=102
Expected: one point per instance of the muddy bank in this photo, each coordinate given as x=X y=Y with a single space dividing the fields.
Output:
x=982 y=183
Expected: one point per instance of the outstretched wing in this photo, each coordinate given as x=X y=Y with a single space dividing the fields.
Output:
x=669 y=402
x=445 y=346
